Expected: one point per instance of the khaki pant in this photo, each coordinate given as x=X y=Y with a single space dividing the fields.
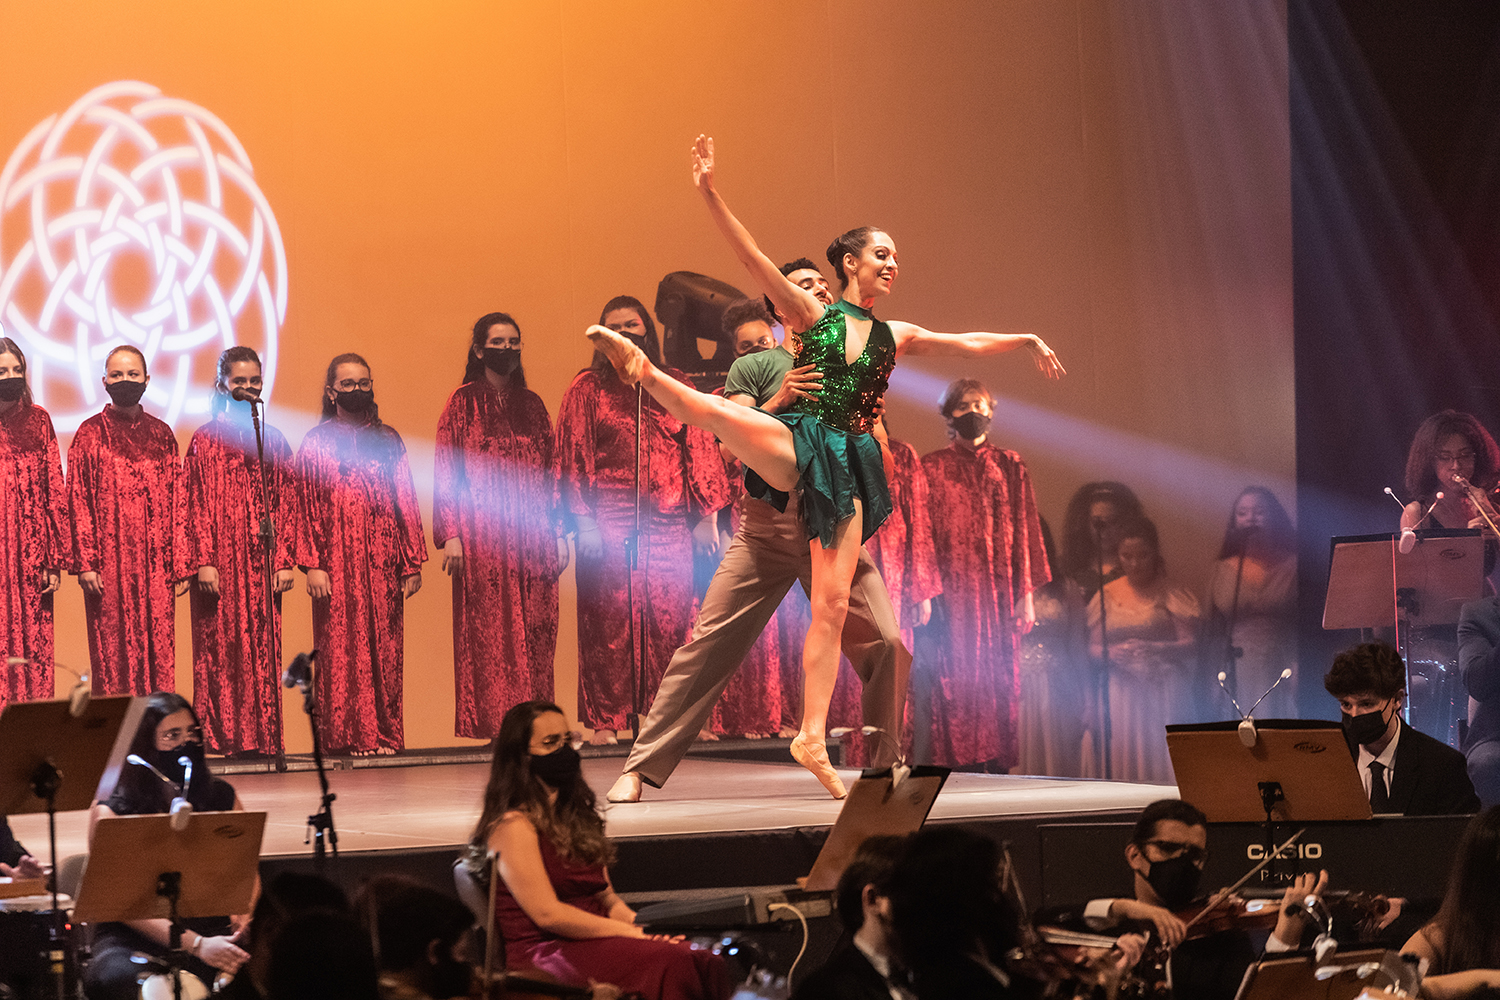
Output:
x=767 y=555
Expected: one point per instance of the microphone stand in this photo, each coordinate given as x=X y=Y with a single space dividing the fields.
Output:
x=1232 y=653
x=267 y=535
x=1106 y=726
x=325 y=839
x=632 y=560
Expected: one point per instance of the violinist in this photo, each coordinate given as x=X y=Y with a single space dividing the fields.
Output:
x=1403 y=770
x=1167 y=853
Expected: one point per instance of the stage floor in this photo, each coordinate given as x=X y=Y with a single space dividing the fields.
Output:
x=436 y=805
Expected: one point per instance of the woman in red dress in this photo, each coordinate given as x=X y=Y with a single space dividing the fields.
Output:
x=554 y=905
x=122 y=490
x=683 y=486
x=495 y=517
x=361 y=546
x=236 y=642
x=33 y=533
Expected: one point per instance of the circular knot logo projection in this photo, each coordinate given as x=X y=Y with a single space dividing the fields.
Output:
x=134 y=218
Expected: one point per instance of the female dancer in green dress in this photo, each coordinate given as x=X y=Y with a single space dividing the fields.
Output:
x=824 y=444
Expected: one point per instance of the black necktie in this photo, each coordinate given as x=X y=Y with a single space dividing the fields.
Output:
x=1380 y=799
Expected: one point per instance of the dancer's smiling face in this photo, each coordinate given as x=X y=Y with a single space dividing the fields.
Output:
x=876 y=267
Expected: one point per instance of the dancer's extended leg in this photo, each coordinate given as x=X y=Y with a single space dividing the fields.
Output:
x=832 y=573
x=758 y=439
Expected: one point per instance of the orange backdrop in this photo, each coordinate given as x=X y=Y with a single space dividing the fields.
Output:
x=1113 y=176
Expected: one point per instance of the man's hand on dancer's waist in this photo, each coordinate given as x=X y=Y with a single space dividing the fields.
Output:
x=799 y=383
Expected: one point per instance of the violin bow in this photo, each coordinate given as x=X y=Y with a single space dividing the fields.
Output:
x=1224 y=894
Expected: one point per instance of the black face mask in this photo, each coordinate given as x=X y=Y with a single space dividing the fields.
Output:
x=166 y=761
x=502 y=360
x=1175 y=881
x=558 y=768
x=1367 y=727
x=356 y=400
x=12 y=389
x=971 y=425
x=125 y=392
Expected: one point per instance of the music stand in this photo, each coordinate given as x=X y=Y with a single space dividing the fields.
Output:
x=876 y=805
x=140 y=868
x=1297 y=977
x=44 y=742
x=1297 y=771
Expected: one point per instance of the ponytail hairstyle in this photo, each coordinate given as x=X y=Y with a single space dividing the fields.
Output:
x=127 y=349
x=232 y=356
x=854 y=241
x=474 y=366
x=8 y=346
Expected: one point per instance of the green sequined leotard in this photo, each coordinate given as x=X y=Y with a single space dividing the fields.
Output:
x=837 y=458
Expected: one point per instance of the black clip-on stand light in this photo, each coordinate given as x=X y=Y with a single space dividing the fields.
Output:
x=267 y=535
x=320 y=830
x=1106 y=725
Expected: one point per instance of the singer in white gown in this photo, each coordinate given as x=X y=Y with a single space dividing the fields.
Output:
x=1152 y=625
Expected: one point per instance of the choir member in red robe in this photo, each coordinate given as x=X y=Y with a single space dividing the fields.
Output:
x=33 y=533
x=122 y=491
x=496 y=519
x=236 y=639
x=902 y=550
x=361 y=545
x=682 y=488
x=988 y=538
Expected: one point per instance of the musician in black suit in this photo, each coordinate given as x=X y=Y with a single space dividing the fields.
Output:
x=1479 y=660
x=1404 y=771
x=861 y=969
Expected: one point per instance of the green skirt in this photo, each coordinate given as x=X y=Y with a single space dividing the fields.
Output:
x=834 y=468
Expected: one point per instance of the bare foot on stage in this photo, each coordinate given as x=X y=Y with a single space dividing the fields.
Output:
x=814 y=757
x=708 y=736
x=786 y=732
x=629 y=360
x=627 y=788
x=603 y=738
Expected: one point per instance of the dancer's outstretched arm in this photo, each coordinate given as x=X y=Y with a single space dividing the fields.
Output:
x=913 y=339
x=798 y=305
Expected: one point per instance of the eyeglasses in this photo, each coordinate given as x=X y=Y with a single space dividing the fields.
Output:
x=349 y=385
x=191 y=734
x=556 y=740
x=1447 y=457
x=1171 y=849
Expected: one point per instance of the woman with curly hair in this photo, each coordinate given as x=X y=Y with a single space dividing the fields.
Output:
x=1447 y=445
x=554 y=904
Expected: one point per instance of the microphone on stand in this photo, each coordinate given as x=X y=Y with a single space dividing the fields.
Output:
x=243 y=395
x=298 y=673
x=182 y=809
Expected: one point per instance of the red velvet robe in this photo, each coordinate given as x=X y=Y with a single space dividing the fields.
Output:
x=236 y=652
x=682 y=479
x=33 y=537
x=360 y=523
x=495 y=489
x=902 y=550
x=988 y=537
x=751 y=702
x=122 y=490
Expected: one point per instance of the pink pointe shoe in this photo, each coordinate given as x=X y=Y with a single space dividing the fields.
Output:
x=629 y=360
x=813 y=755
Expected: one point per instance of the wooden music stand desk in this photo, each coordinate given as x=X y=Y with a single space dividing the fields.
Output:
x=876 y=806
x=88 y=751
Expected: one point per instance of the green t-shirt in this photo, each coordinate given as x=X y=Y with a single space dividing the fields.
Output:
x=759 y=375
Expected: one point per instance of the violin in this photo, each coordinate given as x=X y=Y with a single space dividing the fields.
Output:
x=1071 y=964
